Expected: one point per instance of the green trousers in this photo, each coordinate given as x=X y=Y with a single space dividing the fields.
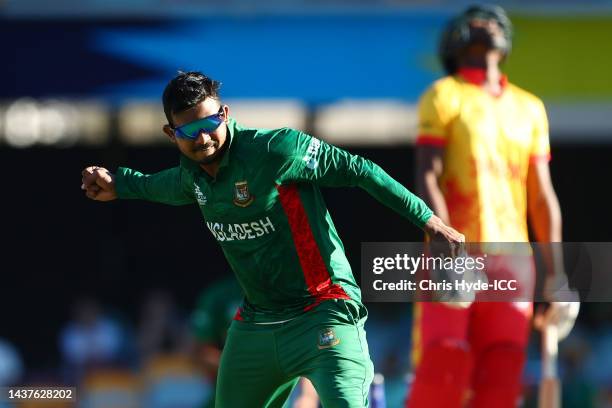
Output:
x=261 y=364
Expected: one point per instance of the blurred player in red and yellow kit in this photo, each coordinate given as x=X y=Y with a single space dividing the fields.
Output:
x=482 y=166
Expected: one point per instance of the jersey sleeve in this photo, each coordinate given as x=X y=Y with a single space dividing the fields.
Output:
x=434 y=116
x=540 y=144
x=167 y=186
x=303 y=158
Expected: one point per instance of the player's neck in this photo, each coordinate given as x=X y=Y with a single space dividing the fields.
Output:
x=494 y=74
x=211 y=168
x=488 y=77
x=492 y=82
x=488 y=65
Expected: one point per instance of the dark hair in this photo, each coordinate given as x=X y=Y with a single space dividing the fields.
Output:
x=186 y=90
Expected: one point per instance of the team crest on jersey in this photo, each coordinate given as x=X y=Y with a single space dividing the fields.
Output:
x=242 y=195
x=327 y=338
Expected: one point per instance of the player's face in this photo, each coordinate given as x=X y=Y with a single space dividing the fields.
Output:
x=487 y=34
x=201 y=132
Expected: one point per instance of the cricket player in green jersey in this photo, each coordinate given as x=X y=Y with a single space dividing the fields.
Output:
x=258 y=191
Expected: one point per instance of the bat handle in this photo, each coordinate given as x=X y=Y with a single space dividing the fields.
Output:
x=550 y=345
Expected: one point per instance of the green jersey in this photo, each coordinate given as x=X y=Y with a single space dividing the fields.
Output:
x=265 y=209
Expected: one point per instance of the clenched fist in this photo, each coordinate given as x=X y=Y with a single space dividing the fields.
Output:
x=98 y=183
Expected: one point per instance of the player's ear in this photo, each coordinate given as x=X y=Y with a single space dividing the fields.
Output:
x=169 y=132
x=226 y=111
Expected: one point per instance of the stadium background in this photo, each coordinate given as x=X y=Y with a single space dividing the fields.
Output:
x=80 y=84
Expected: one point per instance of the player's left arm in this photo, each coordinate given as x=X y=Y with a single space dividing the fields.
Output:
x=546 y=223
x=545 y=219
x=543 y=208
x=306 y=158
x=543 y=204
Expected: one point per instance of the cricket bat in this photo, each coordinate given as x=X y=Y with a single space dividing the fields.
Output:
x=550 y=386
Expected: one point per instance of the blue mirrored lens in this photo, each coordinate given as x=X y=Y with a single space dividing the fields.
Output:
x=192 y=130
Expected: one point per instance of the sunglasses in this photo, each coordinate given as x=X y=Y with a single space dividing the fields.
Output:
x=191 y=130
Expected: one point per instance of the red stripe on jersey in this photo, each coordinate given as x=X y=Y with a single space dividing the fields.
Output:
x=539 y=157
x=238 y=315
x=430 y=140
x=315 y=272
x=478 y=76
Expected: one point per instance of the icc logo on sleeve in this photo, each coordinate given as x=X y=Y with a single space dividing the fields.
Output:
x=200 y=197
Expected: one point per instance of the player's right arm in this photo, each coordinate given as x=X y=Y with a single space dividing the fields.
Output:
x=435 y=113
x=165 y=187
x=429 y=167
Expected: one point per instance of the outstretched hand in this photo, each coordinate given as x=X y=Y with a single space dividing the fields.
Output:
x=446 y=241
x=438 y=231
x=98 y=183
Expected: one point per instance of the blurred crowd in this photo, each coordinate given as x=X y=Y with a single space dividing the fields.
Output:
x=167 y=357
x=115 y=362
